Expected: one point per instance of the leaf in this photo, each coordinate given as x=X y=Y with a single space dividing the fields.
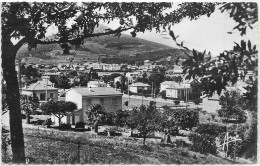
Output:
x=249 y=45
x=195 y=54
x=172 y=35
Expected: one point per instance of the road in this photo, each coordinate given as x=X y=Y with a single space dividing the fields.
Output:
x=208 y=105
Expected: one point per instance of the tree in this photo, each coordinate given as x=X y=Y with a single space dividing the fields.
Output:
x=4 y=103
x=96 y=114
x=29 y=23
x=59 y=108
x=29 y=104
x=123 y=82
x=215 y=74
x=197 y=101
x=94 y=75
x=120 y=118
x=148 y=120
x=72 y=74
x=63 y=82
x=118 y=85
x=156 y=79
x=163 y=94
x=186 y=119
x=30 y=71
x=132 y=120
x=83 y=79
x=232 y=107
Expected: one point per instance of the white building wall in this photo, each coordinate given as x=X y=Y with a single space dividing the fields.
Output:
x=163 y=87
x=73 y=96
x=133 y=89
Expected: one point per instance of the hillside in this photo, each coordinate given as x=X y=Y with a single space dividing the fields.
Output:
x=113 y=49
x=46 y=146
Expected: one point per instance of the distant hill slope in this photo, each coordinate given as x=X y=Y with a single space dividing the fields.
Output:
x=109 y=46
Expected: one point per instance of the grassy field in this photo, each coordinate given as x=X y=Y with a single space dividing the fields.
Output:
x=60 y=147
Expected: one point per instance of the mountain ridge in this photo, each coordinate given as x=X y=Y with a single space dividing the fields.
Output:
x=109 y=46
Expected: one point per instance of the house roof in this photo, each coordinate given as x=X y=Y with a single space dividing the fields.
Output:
x=96 y=82
x=40 y=85
x=140 y=84
x=168 y=82
x=97 y=91
x=176 y=85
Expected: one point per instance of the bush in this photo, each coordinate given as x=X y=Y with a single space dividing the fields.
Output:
x=47 y=122
x=211 y=129
x=186 y=119
x=65 y=127
x=114 y=133
x=177 y=102
x=80 y=125
x=110 y=119
x=163 y=94
x=197 y=101
x=104 y=133
x=203 y=143
x=174 y=131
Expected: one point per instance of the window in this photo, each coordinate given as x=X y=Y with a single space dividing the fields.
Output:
x=102 y=101
x=51 y=95
x=42 y=96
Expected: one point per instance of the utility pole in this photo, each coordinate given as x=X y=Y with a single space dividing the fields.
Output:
x=128 y=94
x=152 y=91
x=235 y=144
x=186 y=98
x=46 y=91
x=142 y=95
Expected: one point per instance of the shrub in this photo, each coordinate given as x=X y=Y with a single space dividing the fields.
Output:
x=114 y=133
x=163 y=94
x=47 y=122
x=174 y=131
x=197 y=101
x=110 y=119
x=211 y=129
x=203 y=143
x=177 y=102
x=80 y=125
x=65 y=127
x=186 y=119
x=104 y=133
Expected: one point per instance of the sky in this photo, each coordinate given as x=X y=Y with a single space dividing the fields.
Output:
x=206 y=33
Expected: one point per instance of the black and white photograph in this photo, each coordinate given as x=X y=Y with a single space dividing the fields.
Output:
x=129 y=82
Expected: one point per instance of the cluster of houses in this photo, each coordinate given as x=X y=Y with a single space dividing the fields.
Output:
x=98 y=91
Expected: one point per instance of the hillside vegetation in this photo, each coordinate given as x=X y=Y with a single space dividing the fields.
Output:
x=58 y=147
x=123 y=49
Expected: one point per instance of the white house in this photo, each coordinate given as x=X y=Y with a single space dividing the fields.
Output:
x=40 y=89
x=131 y=76
x=166 y=84
x=94 y=84
x=138 y=86
x=178 y=91
x=109 y=98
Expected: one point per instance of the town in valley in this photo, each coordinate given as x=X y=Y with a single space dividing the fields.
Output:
x=108 y=96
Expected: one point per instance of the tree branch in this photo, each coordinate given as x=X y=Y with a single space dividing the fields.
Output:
x=84 y=36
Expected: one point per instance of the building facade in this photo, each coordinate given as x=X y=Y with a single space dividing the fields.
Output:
x=139 y=86
x=41 y=90
x=109 y=98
